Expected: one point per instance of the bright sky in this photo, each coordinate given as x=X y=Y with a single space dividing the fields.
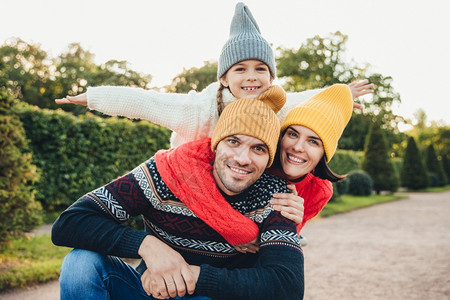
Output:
x=406 y=39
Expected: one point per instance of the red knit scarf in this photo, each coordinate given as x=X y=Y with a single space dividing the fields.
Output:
x=187 y=172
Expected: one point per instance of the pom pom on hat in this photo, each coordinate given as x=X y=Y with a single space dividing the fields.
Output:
x=245 y=42
x=253 y=117
x=327 y=113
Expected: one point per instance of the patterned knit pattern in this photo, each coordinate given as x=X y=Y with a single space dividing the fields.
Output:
x=142 y=191
x=316 y=193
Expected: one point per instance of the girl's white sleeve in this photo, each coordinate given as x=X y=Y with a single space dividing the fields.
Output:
x=294 y=99
x=192 y=116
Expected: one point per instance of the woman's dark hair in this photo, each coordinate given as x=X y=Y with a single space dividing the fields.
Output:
x=322 y=170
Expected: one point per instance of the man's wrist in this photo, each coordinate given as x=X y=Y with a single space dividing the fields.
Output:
x=146 y=245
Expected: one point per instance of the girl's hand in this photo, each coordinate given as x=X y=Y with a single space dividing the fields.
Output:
x=360 y=88
x=251 y=247
x=290 y=205
x=80 y=99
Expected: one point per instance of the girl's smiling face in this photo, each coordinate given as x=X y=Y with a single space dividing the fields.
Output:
x=247 y=79
x=301 y=149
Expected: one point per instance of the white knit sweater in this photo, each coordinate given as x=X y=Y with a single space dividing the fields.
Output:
x=190 y=116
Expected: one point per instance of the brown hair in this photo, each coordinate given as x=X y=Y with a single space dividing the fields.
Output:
x=219 y=99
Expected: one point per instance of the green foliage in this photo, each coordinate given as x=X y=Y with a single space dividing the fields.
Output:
x=34 y=77
x=78 y=154
x=446 y=164
x=354 y=135
x=344 y=161
x=319 y=62
x=316 y=64
x=377 y=162
x=194 y=78
x=19 y=211
x=434 y=166
x=413 y=173
x=359 y=183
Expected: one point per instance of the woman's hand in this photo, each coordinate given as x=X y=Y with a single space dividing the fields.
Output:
x=80 y=99
x=290 y=205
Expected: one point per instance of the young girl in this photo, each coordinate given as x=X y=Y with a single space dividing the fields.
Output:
x=246 y=69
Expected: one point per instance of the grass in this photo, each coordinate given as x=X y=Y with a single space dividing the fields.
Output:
x=348 y=203
x=436 y=189
x=29 y=261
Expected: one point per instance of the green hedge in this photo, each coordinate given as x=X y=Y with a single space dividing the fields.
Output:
x=19 y=212
x=345 y=161
x=77 y=154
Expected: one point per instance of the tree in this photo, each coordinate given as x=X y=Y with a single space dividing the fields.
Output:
x=434 y=165
x=34 y=77
x=319 y=62
x=413 y=173
x=18 y=210
x=75 y=70
x=446 y=165
x=194 y=78
x=377 y=162
x=26 y=69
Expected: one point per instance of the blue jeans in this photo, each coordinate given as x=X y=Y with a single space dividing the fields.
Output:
x=89 y=275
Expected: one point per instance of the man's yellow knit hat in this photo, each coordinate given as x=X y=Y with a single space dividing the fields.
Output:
x=253 y=117
x=327 y=114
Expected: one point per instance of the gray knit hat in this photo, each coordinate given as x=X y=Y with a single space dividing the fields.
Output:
x=245 y=42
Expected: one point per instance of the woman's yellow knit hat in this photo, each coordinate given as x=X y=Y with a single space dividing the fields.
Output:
x=327 y=114
x=253 y=117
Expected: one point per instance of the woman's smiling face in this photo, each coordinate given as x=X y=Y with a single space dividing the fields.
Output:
x=301 y=149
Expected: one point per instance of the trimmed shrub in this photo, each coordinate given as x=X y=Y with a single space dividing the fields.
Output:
x=19 y=211
x=344 y=161
x=79 y=154
x=435 y=166
x=341 y=187
x=433 y=179
x=359 y=183
x=377 y=163
x=413 y=172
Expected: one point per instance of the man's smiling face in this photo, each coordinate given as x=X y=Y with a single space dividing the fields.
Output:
x=240 y=161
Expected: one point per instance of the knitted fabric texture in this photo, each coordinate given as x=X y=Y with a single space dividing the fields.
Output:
x=253 y=117
x=316 y=193
x=326 y=113
x=245 y=42
x=189 y=182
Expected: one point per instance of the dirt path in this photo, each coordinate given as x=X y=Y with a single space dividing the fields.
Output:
x=398 y=250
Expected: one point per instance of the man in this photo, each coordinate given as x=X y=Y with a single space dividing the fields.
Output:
x=183 y=249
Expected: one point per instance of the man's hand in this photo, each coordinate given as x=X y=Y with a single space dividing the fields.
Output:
x=168 y=274
x=290 y=205
x=80 y=99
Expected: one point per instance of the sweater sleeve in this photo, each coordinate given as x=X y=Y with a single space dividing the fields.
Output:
x=316 y=195
x=94 y=222
x=192 y=116
x=277 y=274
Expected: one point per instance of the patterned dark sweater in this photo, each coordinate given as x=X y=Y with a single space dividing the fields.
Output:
x=93 y=222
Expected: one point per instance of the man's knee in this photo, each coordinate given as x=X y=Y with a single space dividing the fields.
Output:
x=81 y=266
